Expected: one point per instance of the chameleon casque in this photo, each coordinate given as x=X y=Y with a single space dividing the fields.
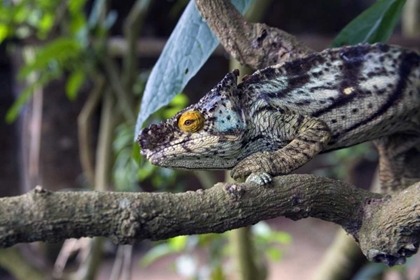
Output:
x=280 y=117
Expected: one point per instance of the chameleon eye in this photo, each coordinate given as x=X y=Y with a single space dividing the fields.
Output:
x=191 y=121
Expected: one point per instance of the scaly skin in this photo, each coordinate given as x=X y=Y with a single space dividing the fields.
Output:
x=280 y=117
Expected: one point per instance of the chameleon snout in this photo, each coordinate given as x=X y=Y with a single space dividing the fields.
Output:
x=142 y=140
x=143 y=143
x=146 y=139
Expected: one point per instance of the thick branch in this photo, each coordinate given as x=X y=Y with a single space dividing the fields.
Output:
x=256 y=45
x=386 y=227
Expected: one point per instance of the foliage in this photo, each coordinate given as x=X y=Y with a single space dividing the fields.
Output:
x=375 y=24
x=71 y=53
x=22 y=19
x=187 y=248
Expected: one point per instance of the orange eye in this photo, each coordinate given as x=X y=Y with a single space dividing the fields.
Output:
x=191 y=121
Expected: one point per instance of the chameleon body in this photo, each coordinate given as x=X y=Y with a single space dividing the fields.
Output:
x=280 y=117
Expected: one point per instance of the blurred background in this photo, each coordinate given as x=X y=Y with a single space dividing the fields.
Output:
x=72 y=74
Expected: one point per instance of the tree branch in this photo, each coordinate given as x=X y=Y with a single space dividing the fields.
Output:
x=256 y=45
x=385 y=232
x=84 y=125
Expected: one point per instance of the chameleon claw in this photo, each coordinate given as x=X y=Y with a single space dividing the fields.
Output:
x=261 y=178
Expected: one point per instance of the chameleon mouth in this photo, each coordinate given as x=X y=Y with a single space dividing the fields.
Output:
x=146 y=153
x=169 y=151
x=154 y=156
x=178 y=156
x=187 y=161
x=161 y=152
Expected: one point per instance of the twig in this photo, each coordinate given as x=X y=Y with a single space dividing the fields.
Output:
x=132 y=26
x=124 y=100
x=128 y=258
x=92 y=254
x=118 y=262
x=35 y=126
x=104 y=148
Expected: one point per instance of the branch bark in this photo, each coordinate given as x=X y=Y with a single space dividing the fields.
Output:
x=256 y=45
x=387 y=228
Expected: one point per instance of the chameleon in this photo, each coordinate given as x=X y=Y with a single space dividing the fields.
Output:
x=282 y=116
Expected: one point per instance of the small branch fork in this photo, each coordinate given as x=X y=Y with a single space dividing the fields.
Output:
x=386 y=227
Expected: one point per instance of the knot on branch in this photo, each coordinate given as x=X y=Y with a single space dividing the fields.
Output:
x=235 y=191
x=391 y=227
x=391 y=260
x=129 y=222
x=40 y=190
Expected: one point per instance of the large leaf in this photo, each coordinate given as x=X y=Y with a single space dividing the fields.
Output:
x=188 y=47
x=375 y=24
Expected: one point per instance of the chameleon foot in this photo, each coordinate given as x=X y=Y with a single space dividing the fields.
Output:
x=261 y=178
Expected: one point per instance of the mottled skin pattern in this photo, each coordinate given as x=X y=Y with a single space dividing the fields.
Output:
x=280 y=117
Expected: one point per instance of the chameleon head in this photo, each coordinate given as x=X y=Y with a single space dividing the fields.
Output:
x=206 y=135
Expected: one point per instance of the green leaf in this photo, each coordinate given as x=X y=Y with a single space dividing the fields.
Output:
x=179 y=102
x=282 y=237
x=125 y=168
x=145 y=171
x=217 y=273
x=156 y=253
x=45 y=24
x=188 y=47
x=135 y=153
x=124 y=172
x=74 y=82
x=26 y=94
x=375 y=24
x=4 y=32
x=77 y=22
x=22 y=13
x=59 y=50
x=178 y=243
x=274 y=254
x=76 y=6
